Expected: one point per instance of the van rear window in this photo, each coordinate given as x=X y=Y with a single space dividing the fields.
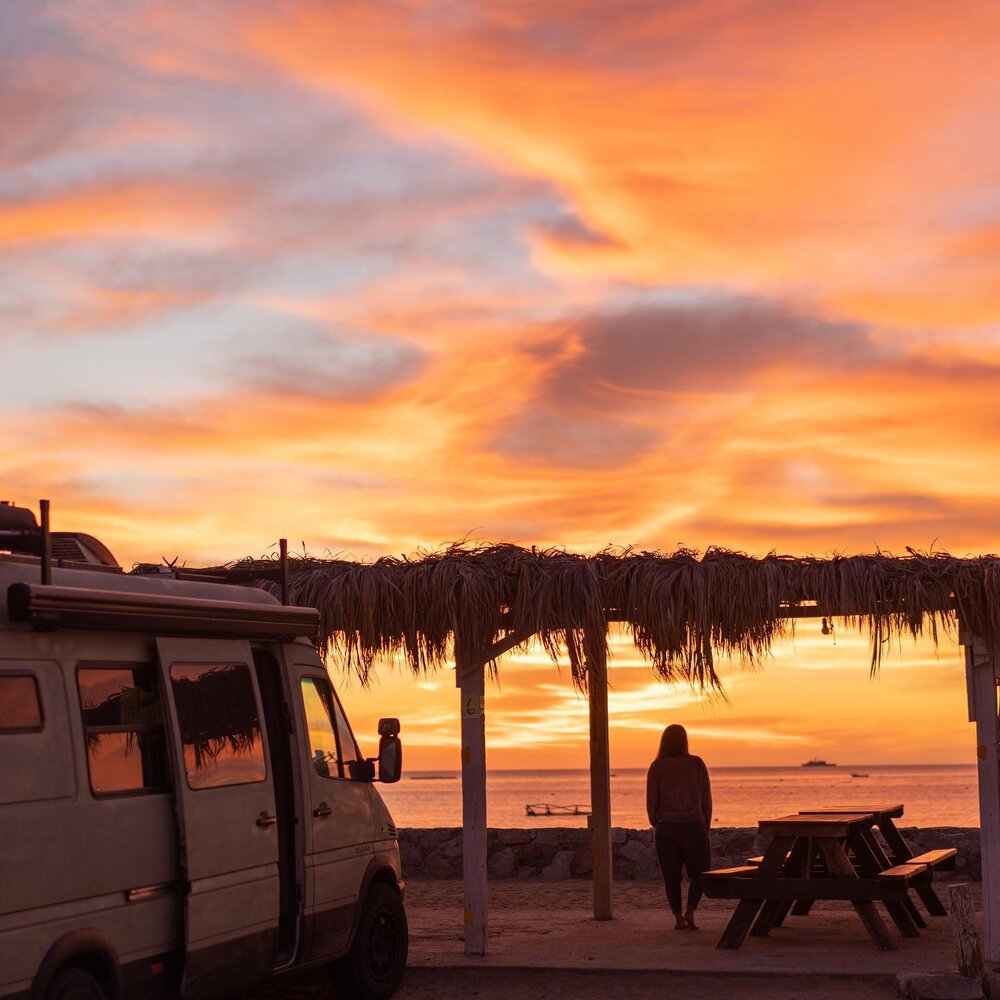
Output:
x=20 y=709
x=123 y=728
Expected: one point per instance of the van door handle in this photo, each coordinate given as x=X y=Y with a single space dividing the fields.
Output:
x=322 y=810
x=264 y=820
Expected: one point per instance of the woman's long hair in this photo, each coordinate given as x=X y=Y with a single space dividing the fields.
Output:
x=673 y=742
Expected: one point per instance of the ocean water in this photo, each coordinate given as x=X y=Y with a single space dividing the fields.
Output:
x=933 y=794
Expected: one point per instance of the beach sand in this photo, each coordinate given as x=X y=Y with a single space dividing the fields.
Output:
x=601 y=984
x=545 y=943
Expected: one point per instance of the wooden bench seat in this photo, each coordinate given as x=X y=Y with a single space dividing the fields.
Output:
x=759 y=859
x=944 y=857
x=812 y=889
x=941 y=858
x=741 y=871
x=904 y=872
x=920 y=870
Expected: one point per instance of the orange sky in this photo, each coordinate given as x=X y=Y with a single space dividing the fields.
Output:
x=376 y=276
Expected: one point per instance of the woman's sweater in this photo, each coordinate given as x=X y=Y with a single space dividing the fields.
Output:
x=678 y=790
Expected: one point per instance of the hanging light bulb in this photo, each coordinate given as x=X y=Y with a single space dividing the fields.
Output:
x=826 y=627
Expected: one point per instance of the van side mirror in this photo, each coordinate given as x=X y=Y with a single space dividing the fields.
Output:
x=390 y=758
x=361 y=770
x=388 y=727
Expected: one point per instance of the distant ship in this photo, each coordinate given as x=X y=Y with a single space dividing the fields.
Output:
x=816 y=762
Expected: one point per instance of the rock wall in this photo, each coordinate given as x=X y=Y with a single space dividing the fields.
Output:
x=560 y=852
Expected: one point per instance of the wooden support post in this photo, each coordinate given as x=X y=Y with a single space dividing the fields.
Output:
x=968 y=943
x=470 y=677
x=43 y=506
x=981 y=669
x=283 y=556
x=600 y=774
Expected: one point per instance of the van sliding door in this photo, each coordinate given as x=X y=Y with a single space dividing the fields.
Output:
x=226 y=810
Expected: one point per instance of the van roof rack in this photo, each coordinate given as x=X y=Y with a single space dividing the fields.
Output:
x=20 y=534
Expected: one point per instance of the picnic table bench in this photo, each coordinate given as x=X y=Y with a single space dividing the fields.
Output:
x=808 y=860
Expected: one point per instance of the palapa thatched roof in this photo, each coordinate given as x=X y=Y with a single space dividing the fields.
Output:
x=681 y=609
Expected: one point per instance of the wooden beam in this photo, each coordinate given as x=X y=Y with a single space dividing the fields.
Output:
x=600 y=775
x=470 y=677
x=983 y=665
x=505 y=645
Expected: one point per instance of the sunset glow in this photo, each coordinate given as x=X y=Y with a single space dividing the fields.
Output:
x=379 y=276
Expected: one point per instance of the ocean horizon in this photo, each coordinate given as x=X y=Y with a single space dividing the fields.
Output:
x=932 y=794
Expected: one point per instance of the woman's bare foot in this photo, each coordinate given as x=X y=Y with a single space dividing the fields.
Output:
x=688 y=919
x=680 y=924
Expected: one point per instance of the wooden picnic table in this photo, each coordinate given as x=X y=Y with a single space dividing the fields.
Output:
x=788 y=873
x=883 y=819
x=899 y=853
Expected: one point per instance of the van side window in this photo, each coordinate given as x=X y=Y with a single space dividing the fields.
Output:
x=331 y=743
x=20 y=709
x=123 y=728
x=220 y=724
x=349 y=753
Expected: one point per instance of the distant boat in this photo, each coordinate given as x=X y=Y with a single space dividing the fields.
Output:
x=853 y=775
x=816 y=762
x=550 y=809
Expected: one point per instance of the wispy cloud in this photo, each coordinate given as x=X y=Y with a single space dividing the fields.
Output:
x=396 y=273
x=757 y=146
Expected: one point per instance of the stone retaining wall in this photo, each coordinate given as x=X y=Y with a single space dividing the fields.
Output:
x=561 y=852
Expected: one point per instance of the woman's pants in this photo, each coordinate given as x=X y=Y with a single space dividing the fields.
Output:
x=684 y=844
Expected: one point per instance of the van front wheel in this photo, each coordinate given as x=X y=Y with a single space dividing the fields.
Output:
x=74 y=984
x=374 y=966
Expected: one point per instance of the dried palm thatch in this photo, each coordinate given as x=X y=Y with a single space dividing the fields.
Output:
x=683 y=610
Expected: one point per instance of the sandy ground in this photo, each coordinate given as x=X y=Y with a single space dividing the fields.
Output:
x=544 y=943
x=540 y=925
x=600 y=984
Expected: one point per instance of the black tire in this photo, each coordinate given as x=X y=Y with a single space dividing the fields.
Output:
x=377 y=959
x=73 y=983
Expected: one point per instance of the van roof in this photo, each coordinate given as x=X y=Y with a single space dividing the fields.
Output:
x=18 y=569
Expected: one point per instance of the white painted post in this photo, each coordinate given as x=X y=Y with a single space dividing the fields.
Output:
x=981 y=670
x=470 y=678
x=600 y=776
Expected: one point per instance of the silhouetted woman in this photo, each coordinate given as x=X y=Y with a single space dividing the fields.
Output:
x=679 y=806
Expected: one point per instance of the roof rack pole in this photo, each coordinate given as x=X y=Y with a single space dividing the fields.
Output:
x=283 y=549
x=43 y=506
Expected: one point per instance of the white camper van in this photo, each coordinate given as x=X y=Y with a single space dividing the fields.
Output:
x=184 y=810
